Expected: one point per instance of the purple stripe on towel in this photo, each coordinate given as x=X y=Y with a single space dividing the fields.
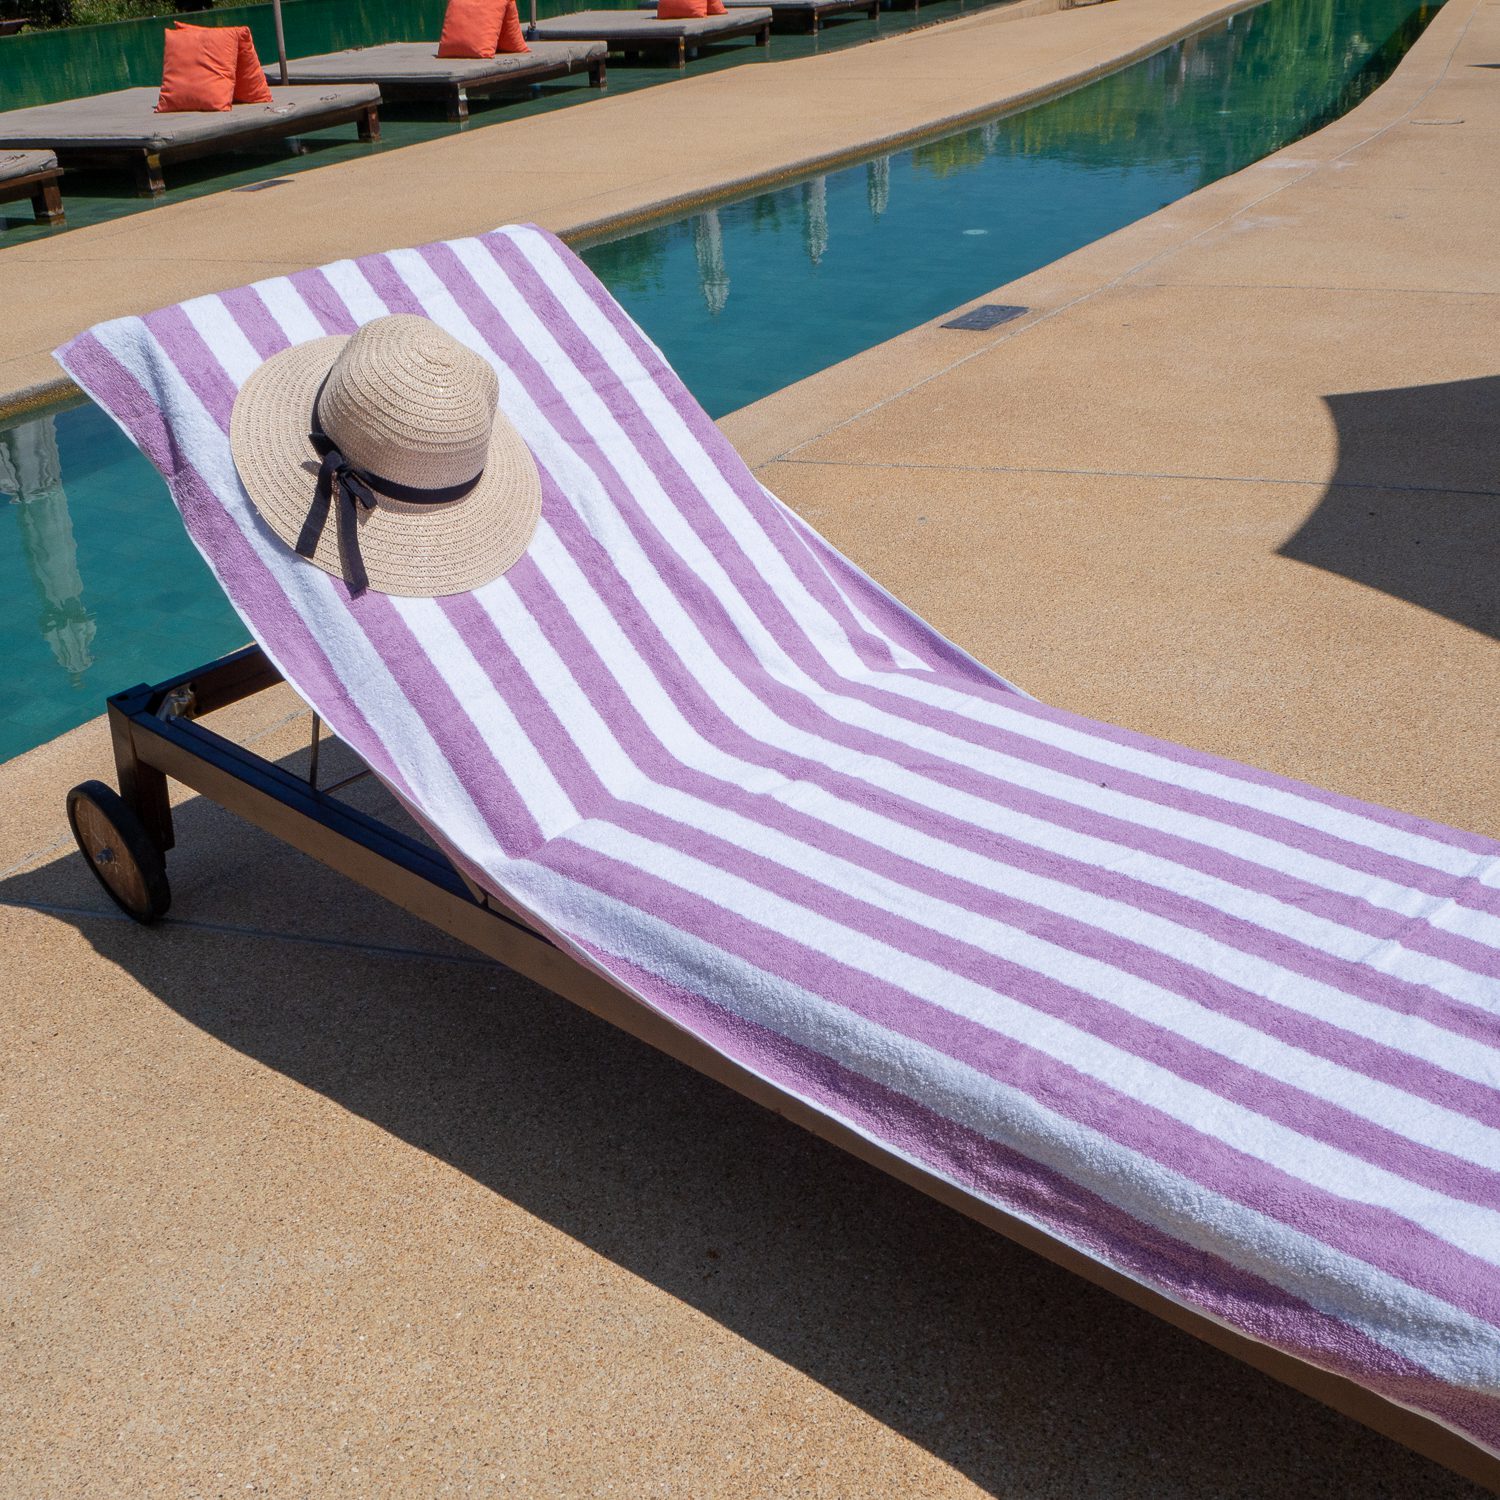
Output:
x=250 y=313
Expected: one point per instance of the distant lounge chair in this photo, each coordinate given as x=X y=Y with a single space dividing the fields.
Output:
x=412 y=70
x=798 y=15
x=633 y=32
x=32 y=174
x=122 y=130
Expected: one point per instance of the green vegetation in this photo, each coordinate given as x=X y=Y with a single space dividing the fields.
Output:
x=50 y=14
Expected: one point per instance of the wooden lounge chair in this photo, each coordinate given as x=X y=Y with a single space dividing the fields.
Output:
x=808 y=15
x=413 y=71
x=34 y=175
x=805 y=16
x=121 y=130
x=1219 y=1042
x=636 y=33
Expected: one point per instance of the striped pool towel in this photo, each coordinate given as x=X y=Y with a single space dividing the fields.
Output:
x=1236 y=1038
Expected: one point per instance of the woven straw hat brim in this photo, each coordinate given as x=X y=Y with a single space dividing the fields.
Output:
x=412 y=551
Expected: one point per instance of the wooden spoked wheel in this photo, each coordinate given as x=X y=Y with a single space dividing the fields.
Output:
x=119 y=851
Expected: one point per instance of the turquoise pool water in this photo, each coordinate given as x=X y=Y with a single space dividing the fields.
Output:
x=100 y=588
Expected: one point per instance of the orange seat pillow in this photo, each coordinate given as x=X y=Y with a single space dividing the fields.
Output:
x=512 y=38
x=198 y=69
x=717 y=8
x=471 y=28
x=250 y=86
x=681 y=10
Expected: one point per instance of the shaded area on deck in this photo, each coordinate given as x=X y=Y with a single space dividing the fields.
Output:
x=1413 y=508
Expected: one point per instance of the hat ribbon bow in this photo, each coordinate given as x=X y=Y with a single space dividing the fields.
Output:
x=354 y=488
x=338 y=477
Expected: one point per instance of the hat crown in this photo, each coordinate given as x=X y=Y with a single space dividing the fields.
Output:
x=406 y=401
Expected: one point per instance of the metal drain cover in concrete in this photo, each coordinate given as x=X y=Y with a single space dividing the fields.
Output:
x=986 y=315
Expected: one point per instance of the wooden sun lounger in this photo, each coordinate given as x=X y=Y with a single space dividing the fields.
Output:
x=808 y=15
x=121 y=129
x=634 y=32
x=798 y=15
x=34 y=175
x=414 y=71
x=156 y=737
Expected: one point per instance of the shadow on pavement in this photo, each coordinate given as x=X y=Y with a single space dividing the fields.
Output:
x=1413 y=508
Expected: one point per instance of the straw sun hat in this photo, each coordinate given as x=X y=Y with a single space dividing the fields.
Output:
x=382 y=458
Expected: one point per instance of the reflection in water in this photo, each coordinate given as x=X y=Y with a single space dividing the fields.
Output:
x=907 y=236
x=878 y=185
x=708 y=249
x=815 y=218
x=31 y=473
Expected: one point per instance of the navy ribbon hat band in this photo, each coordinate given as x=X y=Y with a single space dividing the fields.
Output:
x=355 y=491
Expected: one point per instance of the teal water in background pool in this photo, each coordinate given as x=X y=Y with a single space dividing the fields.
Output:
x=753 y=296
x=100 y=588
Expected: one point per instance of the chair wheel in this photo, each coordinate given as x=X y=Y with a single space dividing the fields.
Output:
x=132 y=870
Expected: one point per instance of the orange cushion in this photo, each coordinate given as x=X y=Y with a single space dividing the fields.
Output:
x=717 y=8
x=512 y=38
x=471 y=28
x=681 y=10
x=250 y=86
x=198 y=68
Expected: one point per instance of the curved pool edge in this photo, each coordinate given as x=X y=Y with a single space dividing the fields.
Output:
x=86 y=253
x=856 y=385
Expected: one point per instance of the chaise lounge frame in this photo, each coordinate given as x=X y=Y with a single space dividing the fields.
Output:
x=810 y=18
x=41 y=187
x=146 y=162
x=454 y=94
x=804 y=16
x=156 y=738
x=632 y=44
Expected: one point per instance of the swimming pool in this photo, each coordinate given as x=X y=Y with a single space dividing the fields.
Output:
x=100 y=588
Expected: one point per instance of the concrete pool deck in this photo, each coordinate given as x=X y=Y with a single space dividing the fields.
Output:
x=300 y=1198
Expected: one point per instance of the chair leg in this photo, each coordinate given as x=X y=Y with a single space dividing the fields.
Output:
x=598 y=77
x=458 y=104
x=143 y=787
x=369 y=124
x=148 y=178
x=681 y=52
x=46 y=203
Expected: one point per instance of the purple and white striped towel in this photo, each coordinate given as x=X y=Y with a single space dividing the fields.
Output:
x=1234 y=1037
